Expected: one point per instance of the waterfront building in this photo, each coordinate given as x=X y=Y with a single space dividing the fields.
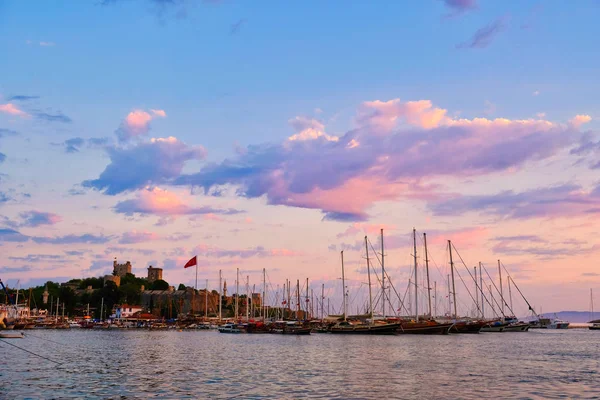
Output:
x=126 y=311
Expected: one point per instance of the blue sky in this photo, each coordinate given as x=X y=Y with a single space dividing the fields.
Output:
x=230 y=75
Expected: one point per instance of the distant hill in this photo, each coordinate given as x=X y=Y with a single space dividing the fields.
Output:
x=571 y=316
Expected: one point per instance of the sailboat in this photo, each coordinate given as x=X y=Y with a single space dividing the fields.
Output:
x=460 y=325
x=595 y=325
x=423 y=326
x=370 y=328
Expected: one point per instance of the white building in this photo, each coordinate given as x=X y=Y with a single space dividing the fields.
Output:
x=126 y=311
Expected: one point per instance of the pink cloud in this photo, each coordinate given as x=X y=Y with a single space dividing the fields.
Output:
x=579 y=120
x=309 y=129
x=138 y=237
x=157 y=201
x=159 y=113
x=137 y=123
x=11 y=109
x=390 y=162
x=387 y=114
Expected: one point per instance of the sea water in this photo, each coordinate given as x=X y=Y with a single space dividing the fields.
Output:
x=207 y=364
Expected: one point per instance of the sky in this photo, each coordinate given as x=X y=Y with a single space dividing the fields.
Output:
x=277 y=134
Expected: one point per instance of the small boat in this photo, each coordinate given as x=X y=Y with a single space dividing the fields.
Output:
x=11 y=335
x=229 y=328
x=494 y=326
x=595 y=326
x=517 y=327
x=558 y=324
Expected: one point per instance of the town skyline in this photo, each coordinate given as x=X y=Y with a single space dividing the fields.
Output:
x=276 y=136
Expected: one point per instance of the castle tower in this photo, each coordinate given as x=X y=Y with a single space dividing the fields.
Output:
x=225 y=288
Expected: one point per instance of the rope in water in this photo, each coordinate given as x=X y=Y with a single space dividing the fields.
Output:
x=30 y=352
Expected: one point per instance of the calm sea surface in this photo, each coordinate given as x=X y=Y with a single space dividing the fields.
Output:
x=206 y=364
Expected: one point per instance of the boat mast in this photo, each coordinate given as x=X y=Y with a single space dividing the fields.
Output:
x=501 y=295
x=416 y=285
x=453 y=286
x=289 y=299
x=343 y=287
x=369 y=275
x=101 y=309
x=476 y=292
x=510 y=296
x=449 y=297
x=382 y=277
x=206 y=301
x=298 y=295
x=322 y=298
x=312 y=304
x=247 y=297
x=220 y=295
x=481 y=290
x=264 y=295
x=306 y=301
x=237 y=293
x=427 y=269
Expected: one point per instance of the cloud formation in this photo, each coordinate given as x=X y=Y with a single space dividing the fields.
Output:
x=21 y=97
x=73 y=239
x=59 y=117
x=483 y=37
x=258 y=251
x=557 y=201
x=138 y=237
x=149 y=163
x=156 y=201
x=137 y=123
x=11 y=235
x=11 y=109
x=74 y=145
x=37 y=218
x=460 y=6
x=396 y=150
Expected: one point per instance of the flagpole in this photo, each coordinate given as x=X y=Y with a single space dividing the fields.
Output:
x=196 y=271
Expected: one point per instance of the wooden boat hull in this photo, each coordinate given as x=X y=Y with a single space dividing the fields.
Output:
x=424 y=328
x=594 y=328
x=388 y=329
x=466 y=327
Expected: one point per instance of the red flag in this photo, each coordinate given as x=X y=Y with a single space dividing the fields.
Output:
x=191 y=263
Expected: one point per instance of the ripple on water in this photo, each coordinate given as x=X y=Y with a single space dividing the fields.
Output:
x=205 y=364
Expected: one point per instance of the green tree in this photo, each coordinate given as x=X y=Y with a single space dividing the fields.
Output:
x=159 y=285
x=130 y=294
x=181 y=287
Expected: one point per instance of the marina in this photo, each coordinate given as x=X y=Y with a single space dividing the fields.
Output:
x=205 y=363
